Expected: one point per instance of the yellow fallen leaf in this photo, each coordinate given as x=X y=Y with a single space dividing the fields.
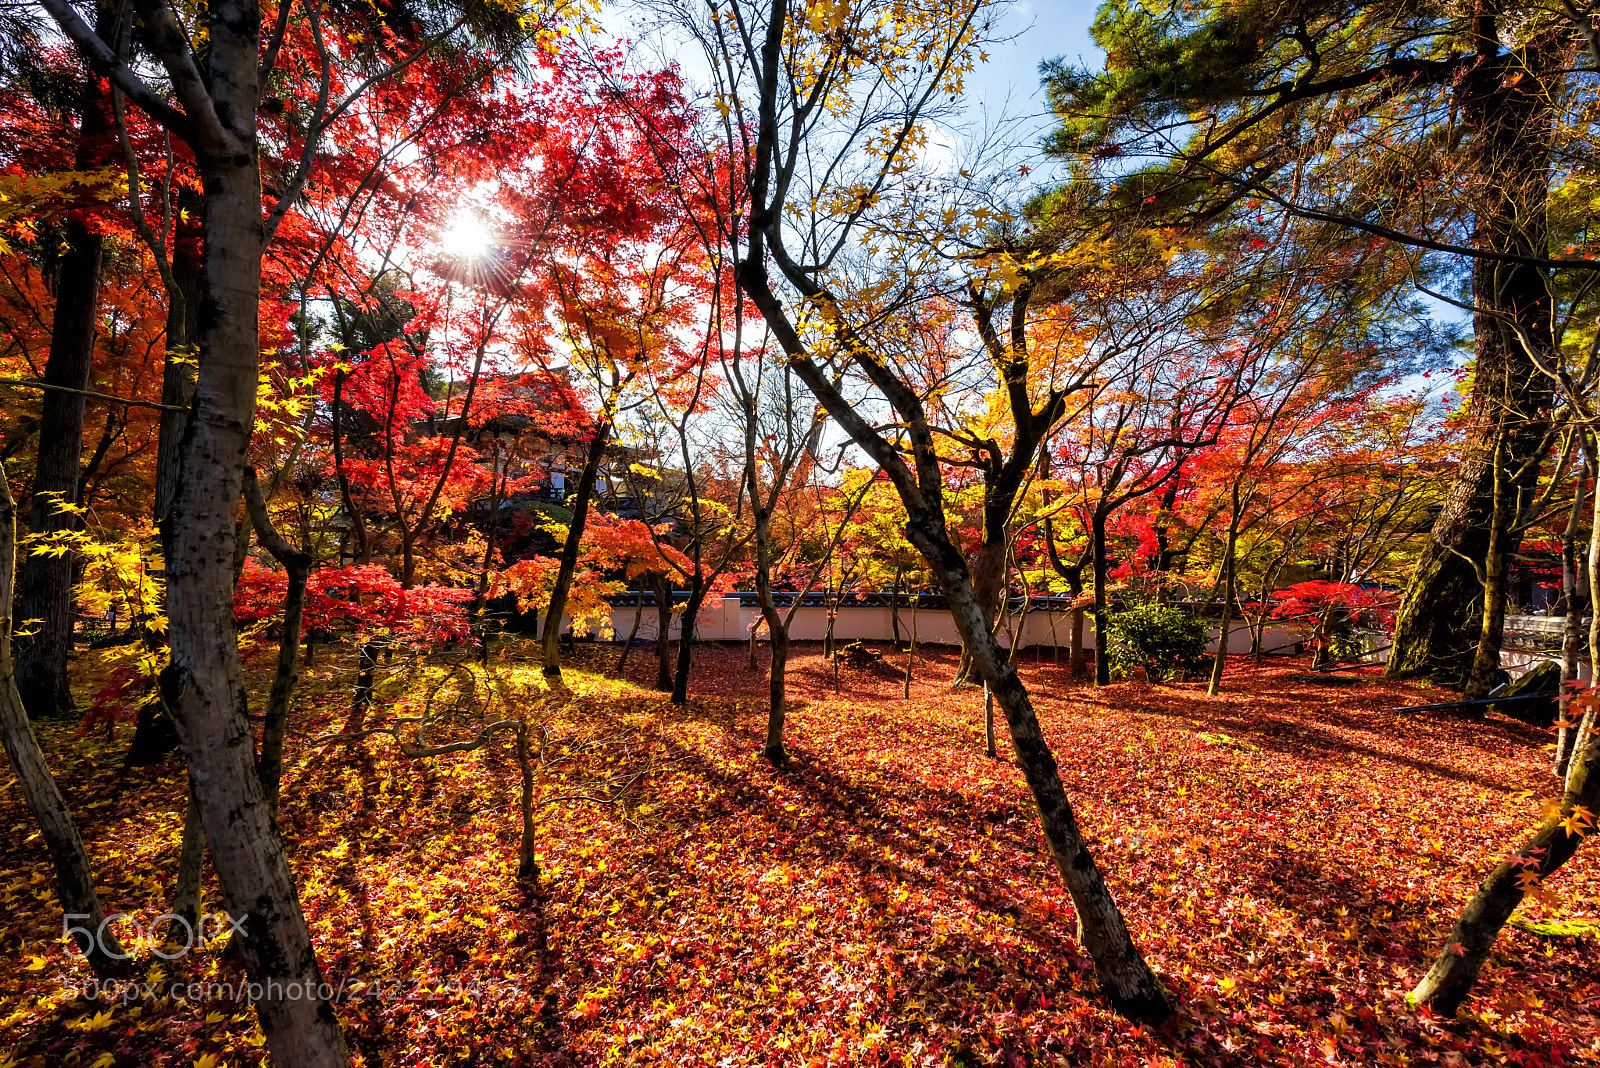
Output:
x=99 y=1021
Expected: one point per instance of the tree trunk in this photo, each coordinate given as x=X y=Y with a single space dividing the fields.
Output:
x=894 y=606
x=663 y=594
x=1506 y=114
x=1121 y=969
x=778 y=638
x=203 y=684
x=627 y=646
x=45 y=582
x=570 y=548
x=1453 y=975
x=1584 y=730
x=80 y=904
x=1214 y=684
x=361 y=695
x=1077 y=661
x=480 y=604
x=988 y=724
x=191 y=861
x=1572 y=620
x=911 y=651
x=1486 y=656
x=777 y=687
x=527 y=861
x=177 y=373
x=680 y=678
x=1102 y=663
x=298 y=566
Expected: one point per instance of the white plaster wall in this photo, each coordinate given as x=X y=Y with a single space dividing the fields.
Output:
x=725 y=620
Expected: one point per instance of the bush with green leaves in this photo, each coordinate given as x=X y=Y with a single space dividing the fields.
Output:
x=1157 y=637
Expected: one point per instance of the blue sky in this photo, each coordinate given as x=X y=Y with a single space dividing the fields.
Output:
x=1041 y=29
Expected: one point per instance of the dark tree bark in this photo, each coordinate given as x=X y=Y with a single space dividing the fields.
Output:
x=913 y=466
x=80 y=904
x=772 y=749
x=633 y=632
x=570 y=548
x=298 y=565
x=1100 y=568
x=1505 y=107
x=680 y=675
x=191 y=863
x=45 y=582
x=894 y=605
x=1229 y=566
x=1122 y=970
x=911 y=650
x=663 y=595
x=217 y=93
x=1454 y=974
x=154 y=734
x=1572 y=610
x=777 y=694
x=1073 y=573
x=1120 y=967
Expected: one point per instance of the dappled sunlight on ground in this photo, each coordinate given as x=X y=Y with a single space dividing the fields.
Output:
x=1289 y=856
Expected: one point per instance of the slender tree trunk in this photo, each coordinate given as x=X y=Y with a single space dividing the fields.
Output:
x=778 y=638
x=1164 y=555
x=480 y=603
x=1572 y=621
x=894 y=606
x=1055 y=640
x=680 y=678
x=1214 y=684
x=191 y=862
x=298 y=566
x=1583 y=733
x=753 y=662
x=777 y=690
x=177 y=373
x=1102 y=663
x=988 y=724
x=1454 y=974
x=1077 y=662
x=361 y=695
x=911 y=651
x=627 y=646
x=80 y=904
x=1486 y=657
x=527 y=860
x=663 y=594
x=1121 y=969
x=45 y=582
x=203 y=684
x=570 y=549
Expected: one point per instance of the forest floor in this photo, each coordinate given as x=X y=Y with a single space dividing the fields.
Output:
x=1289 y=856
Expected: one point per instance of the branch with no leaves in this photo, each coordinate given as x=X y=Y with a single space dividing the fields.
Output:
x=50 y=387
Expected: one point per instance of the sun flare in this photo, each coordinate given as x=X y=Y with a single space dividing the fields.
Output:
x=467 y=237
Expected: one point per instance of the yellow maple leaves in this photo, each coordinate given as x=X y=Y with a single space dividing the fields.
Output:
x=1580 y=821
x=828 y=16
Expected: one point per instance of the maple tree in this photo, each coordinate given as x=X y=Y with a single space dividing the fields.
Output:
x=1430 y=128
x=215 y=116
x=445 y=339
x=928 y=49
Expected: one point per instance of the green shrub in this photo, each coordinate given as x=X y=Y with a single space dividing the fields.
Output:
x=1157 y=637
